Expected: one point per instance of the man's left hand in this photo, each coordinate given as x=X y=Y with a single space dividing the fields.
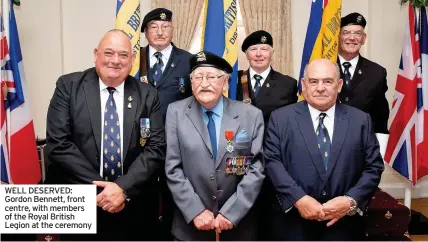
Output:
x=335 y=209
x=112 y=198
x=222 y=223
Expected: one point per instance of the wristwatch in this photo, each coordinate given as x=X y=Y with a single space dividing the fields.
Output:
x=353 y=208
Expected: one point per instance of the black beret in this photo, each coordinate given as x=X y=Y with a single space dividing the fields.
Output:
x=161 y=14
x=353 y=19
x=205 y=58
x=255 y=38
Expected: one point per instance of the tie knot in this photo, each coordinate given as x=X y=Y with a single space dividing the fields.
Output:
x=322 y=116
x=158 y=55
x=111 y=90
x=209 y=113
x=347 y=65
x=258 y=77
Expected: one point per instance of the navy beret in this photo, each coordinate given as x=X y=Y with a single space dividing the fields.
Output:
x=255 y=38
x=161 y=14
x=205 y=58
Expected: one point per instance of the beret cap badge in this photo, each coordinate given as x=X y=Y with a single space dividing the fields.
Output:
x=163 y=16
x=263 y=39
x=201 y=57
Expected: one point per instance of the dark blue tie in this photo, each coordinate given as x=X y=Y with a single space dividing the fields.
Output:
x=347 y=74
x=212 y=133
x=111 y=141
x=157 y=68
x=323 y=138
x=257 y=86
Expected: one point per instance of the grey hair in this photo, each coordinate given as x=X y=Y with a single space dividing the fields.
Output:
x=337 y=68
x=222 y=73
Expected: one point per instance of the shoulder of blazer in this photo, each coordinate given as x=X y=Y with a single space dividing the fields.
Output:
x=371 y=64
x=282 y=78
x=180 y=52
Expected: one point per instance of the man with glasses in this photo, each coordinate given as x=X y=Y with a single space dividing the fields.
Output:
x=365 y=81
x=166 y=68
x=324 y=161
x=214 y=157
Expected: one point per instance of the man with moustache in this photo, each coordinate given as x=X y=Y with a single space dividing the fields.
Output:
x=324 y=161
x=365 y=81
x=214 y=163
x=166 y=68
x=105 y=127
x=261 y=85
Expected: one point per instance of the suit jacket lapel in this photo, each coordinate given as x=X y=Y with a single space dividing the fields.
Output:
x=358 y=76
x=129 y=113
x=340 y=129
x=93 y=101
x=149 y=71
x=194 y=113
x=268 y=84
x=250 y=88
x=170 y=66
x=228 y=122
x=306 y=126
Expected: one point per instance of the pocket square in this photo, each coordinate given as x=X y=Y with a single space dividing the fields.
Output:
x=242 y=136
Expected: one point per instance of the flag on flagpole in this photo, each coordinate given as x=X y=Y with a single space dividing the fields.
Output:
x=220 y=35
x=128 y=19
x=407 y=148
x=322 y=34
x=22 y=164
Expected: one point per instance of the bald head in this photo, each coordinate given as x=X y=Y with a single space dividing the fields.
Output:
x=115 y=33
x=322 y=83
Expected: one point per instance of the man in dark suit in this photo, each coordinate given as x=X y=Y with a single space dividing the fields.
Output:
x=261 y=85
x=105 y=127
x=365 y=82
x=165 y=67
x=214 y=157
x=324 y=161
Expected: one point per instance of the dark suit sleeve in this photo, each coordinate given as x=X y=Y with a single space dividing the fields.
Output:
x=153 y=155
x=367 y=185
x=287 y=189
x=239 y=87
x=60 y=148
x=380 y=113
x=293 y=94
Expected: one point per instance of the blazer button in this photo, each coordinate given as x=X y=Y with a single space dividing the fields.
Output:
x=214 y=198
x=324 y=193
x=346 y=99
x=211 y=177
x=211 y=156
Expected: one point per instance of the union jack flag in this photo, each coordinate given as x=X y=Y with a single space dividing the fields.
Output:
x=407 y=148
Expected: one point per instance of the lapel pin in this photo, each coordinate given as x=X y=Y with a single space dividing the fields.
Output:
x=130 y=98
x=172 y=65
x=360 y=72
x=129 y=105
x=267 y=85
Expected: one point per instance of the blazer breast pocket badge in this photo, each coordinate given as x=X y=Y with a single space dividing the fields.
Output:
x=144 y=131
x=238 y=165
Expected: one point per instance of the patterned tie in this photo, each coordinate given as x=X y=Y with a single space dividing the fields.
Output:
x=111 y=140
x=157 y=68
x=323 y=140
x=257 y=86
x=212 y=133
x=347 y=74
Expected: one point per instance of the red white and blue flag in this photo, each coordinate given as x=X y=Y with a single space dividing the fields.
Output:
x=19 y=160
x=407 y=148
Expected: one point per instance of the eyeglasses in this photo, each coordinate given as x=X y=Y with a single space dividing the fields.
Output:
x=155 y=28
x=358 y=34
x=197 y=79
x=314 y=82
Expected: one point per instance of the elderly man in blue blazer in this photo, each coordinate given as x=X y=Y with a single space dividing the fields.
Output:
x=323 y=159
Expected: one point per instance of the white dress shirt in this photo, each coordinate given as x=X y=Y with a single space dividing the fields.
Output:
x=118 y=99
x=264 y=74
x=328 y=120
x=166 y=53
x=353 y=66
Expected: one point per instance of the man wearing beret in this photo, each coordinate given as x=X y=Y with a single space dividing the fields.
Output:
x=261 y=85
x=365 y=82
x=166 y=68
x=214 y=157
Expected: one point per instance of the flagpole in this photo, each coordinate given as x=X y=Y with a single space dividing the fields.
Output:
x=408 y=194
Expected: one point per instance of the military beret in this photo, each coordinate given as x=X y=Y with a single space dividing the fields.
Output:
x=161 y=14
x=353 y=19
x=255 y=38
x=205 y=58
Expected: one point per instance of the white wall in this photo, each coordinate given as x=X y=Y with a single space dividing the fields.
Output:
x=58 y=37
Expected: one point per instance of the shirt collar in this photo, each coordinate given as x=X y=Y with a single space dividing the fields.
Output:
x=264 y=74
x=353 y=61
x=165 y=52
x=315 y=113
x=119 y=88
x=218 y=109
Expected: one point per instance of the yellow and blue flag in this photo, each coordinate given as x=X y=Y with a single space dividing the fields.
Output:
x=220 y=35
x=128 y=19
x=322 y=35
